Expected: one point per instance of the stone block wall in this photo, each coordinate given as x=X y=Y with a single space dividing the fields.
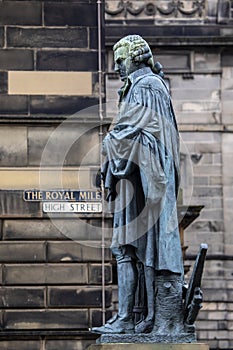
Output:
x=51 y=281
x=203 y=105
x=47 y=36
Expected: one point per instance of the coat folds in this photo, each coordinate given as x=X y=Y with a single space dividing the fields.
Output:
x=141 y=172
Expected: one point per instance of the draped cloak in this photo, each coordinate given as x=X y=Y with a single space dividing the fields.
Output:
x=141 y=172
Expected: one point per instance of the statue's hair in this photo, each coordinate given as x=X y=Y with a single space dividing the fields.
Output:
x=139 y=50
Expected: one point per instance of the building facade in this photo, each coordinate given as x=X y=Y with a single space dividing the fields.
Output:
x=56 y=73
x=50 y=283
x=193 y=41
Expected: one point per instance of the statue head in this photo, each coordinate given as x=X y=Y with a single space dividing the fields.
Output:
x=131 y=53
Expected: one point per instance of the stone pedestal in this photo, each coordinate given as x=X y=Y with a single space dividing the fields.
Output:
x=149 y=338
x=157 y=346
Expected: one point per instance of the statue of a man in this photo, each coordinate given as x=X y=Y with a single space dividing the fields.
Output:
x=141 y=174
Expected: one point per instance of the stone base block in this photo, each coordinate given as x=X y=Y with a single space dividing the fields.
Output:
x=156 y=346
x=147 y=338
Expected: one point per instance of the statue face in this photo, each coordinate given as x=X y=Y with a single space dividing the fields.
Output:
x=123 y=63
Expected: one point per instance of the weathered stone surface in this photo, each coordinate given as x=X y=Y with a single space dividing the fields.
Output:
x=227 y=158
x=1 y=36
x=3 y=83
x=32 y=35
x=24 y=13
x=205 y=117
x=136 y=346
x=72 y=14
x=156 y=345
x=37 y=139
x=194 y=106
x=46 y=319
x=45 y=37
x=200 y=81
x=214 y=240
x=93 y=38
x=211 y=170
x=13 y=59
x=60 y=105
x=227 y=95
x=207 y=191
x=67 y=60
x=227 y=58
x=95 y=273
x=13 y=104
x=202 y=142
x=1 y=225
x=1 y=270
x=215 y=180
x=177 y=34
x=97 y=317
x=36 y=274
x=207 y=225
x=201 y=180
x=205 y=62
x=229 y=248
x=13 y=205
x=67 y=344
x=73 y=140
x=20 y=344
x=51 y=230
x=30 y=229
x=75 y=251
x=15 y=297
x=78 y=297
x=22 y=252
x=211 y=94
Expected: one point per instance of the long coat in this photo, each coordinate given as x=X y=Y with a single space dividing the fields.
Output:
x=141 y=172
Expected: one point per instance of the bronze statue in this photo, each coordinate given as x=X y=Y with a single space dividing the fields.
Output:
x=141 y=176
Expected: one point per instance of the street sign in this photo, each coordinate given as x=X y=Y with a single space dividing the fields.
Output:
x=61 y=195
x=72 y=207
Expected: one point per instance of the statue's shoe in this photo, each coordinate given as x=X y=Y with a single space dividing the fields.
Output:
x=144 y=326
x=115 y=326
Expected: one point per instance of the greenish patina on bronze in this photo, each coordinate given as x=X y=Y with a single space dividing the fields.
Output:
x=141 y=175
